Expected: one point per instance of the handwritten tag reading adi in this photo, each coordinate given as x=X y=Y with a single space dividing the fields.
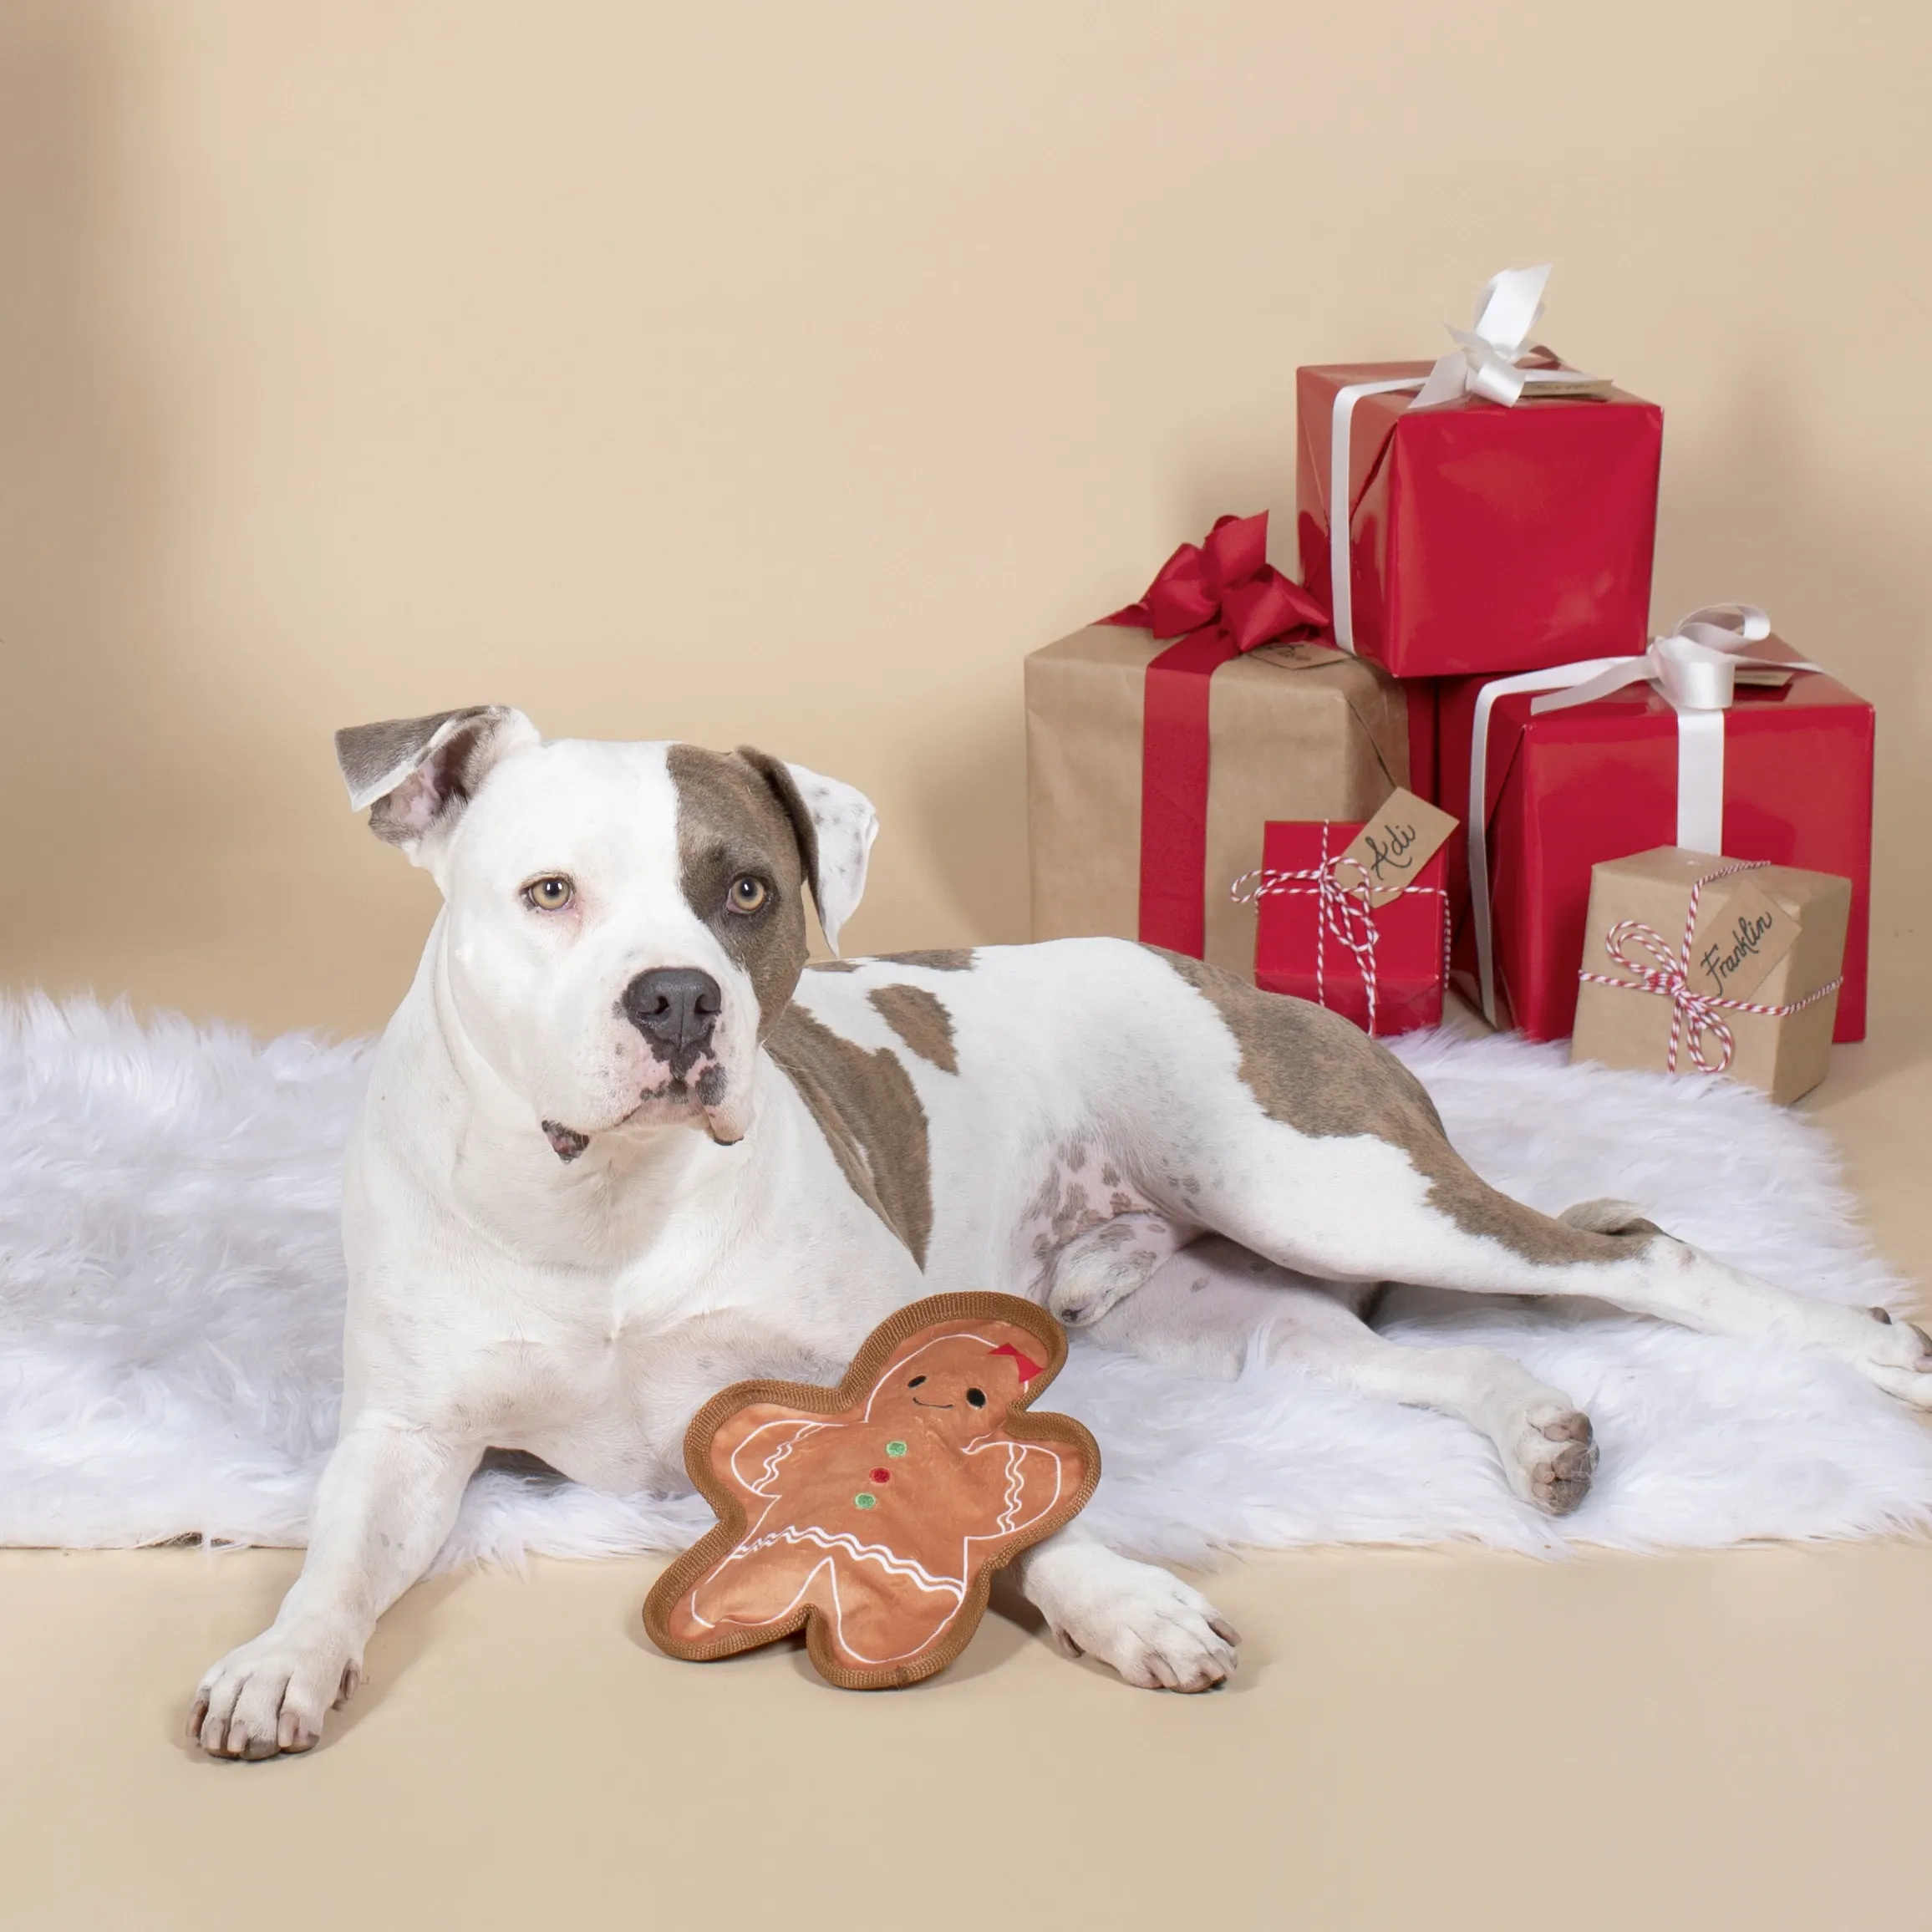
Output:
x=1741 y=933
x=1390 y=851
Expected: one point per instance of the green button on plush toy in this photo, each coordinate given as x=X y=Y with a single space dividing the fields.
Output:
x=875 y=1513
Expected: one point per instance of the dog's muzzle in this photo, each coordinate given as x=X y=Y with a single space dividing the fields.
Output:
x=676 y=1008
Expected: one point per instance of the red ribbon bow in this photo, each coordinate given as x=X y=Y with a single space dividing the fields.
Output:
x=1219 y=599
x=1227 y=582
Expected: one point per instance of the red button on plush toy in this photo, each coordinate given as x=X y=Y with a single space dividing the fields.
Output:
x=888 y=1591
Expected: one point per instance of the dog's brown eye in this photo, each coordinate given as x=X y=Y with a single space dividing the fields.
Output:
x=747 y=894
x=550 y=895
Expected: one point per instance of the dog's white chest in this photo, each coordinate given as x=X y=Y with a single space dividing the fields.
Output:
x=585 y=1403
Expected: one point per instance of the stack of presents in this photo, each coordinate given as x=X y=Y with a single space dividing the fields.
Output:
x=1454 y=755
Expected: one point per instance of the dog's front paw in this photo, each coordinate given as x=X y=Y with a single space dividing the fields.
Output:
x=1158 y=1632
x=272 y=1694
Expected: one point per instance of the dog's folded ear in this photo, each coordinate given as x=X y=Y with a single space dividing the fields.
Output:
x=417 y=774
x=835 y=824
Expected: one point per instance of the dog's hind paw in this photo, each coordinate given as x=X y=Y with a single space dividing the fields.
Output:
x=1608 y=1217
x=1896 y=1354
x=1553 y=1459
x=1097 y=1271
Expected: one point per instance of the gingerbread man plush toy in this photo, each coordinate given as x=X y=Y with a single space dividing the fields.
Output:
x=875 y=1513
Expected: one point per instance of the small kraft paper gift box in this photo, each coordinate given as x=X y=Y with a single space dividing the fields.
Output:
x=1160 y=741
x=1496 y=511
x=1719 y=739
x=1355 y=917
x=1695 y=964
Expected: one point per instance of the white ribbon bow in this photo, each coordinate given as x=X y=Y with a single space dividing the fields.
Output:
x=1484 y=363
x=1695 y=666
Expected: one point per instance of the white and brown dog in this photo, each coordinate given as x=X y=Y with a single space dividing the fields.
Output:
x=621 y=1146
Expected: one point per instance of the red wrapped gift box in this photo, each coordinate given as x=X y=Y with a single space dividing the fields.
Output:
x=1570 y=789
x=1315 y=939
x=1483 y=538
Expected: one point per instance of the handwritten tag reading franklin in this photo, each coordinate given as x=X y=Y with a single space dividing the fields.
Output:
x=1741 y=933
x=1390 y=851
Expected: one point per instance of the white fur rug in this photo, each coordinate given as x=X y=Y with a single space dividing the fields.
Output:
x=172 y=1290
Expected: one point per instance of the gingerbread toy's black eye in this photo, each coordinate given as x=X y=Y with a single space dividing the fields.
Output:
x=915 y=1381
x=977 y=1397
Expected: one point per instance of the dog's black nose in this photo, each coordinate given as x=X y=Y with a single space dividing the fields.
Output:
x=675 y=1009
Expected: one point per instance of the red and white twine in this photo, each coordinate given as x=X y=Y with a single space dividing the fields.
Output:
x=1695 y=1017
x=1344 y=912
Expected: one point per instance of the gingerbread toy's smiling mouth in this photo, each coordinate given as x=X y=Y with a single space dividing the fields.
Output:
x=918 y=1404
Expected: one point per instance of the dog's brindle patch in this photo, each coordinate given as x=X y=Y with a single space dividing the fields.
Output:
x=733 y=818
x=952 y=960
x=865 y=1106
x=945 y=959
x=1316 y=1072
x=919 y=1019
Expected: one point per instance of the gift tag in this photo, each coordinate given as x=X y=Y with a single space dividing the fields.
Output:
x=1556 y=379
x=1393 y=847
x=1741 y=933
x=1574 y=387
x=1300 y=655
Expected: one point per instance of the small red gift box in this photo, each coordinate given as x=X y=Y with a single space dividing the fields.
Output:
x=1317 y=938
x=1568 y=789
x=1500 y=521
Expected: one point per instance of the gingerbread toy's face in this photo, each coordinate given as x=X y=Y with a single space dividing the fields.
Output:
x=957 y=1387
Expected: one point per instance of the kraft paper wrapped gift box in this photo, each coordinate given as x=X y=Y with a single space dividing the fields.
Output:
x=1295 y=731
x=1501 y=519
x=1231 y=739
x=1568 y=789
x=1693 y=965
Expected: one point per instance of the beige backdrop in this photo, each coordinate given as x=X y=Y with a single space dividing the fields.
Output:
x=785 y=373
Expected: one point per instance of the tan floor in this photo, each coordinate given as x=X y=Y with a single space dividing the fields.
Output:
x=1417 y=1739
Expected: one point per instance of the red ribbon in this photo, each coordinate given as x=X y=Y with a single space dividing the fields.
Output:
x=1217 y=599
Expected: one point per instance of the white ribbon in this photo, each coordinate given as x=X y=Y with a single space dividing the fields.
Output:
x=1484 y=363
x=1341 y=557
x=1696 y=667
